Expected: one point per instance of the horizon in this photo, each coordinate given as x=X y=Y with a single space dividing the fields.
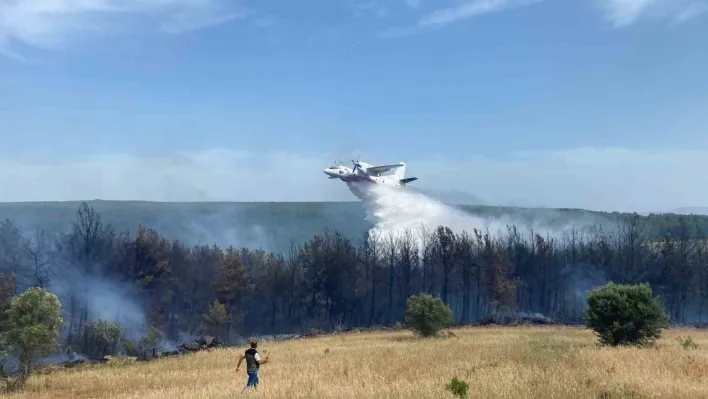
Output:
x=688 y=211
x=594 y=105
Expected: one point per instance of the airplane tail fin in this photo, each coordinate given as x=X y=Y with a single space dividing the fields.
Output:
x=400 y=172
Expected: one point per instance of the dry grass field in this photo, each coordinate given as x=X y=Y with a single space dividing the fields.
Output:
x=497 y=362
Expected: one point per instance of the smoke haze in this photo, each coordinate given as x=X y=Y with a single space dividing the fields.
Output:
x=637 y=179
x=394 y=210
x=109 y=300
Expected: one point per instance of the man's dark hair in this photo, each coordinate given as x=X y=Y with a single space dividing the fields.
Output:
x=254 y=344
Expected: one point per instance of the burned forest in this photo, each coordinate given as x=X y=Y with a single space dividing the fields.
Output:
x=152 y=286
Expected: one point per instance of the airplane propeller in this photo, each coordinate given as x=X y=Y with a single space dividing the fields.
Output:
x=356 y=163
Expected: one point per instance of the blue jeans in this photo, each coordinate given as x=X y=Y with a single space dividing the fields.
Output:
x=252 y=379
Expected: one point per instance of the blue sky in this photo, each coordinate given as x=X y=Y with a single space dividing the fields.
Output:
x=598 y=104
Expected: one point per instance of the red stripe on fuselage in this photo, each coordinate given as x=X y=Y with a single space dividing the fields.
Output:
x=355 y=178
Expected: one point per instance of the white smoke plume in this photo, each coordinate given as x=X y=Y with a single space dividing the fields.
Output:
x=395 y=210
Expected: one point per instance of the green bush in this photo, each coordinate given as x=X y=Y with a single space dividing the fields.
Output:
x=119 y=362
x=101 y=339
x=427 y=315
x=131 y=348
x=34 y=319
x=625 y=314
x=688 y=343
x=150 y=341
x=458 y=387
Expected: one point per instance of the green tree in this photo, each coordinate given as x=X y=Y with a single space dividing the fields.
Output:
x=217 y=317
x=427 y=314
x=35 y=318
x=103 y=338
x=229 y=286
x=7 y=287
x=625 y=314
x=150 y=341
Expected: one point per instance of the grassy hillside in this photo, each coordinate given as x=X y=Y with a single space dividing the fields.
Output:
x=497 y=362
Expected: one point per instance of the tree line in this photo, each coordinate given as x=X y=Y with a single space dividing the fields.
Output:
x=146 y=281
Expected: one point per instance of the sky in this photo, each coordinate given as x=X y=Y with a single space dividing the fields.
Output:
x=595 y=104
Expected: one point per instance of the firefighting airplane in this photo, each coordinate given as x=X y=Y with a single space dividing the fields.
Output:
x=366 y=173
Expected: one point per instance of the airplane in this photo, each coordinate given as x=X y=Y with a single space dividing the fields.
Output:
x=367 y=173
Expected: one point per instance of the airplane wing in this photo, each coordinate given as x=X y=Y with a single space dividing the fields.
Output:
x=375 y=170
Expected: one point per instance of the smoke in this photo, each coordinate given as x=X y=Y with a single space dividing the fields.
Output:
x=580 y=279
x=394 y=210
x=583 y=277
x=61 y=358
x=112 y=301
x=219 y=227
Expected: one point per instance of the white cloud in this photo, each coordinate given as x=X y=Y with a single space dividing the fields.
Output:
x=445 y=16
x=219 y=174
x=602 y=179
x=691 y=11
x=625 y=12
x=622 y=13
x=619 y=13
x=470 y=9
x=50 y=23
x=194 y=20
x=368 y=8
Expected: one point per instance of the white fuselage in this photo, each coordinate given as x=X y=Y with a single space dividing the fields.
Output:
x=350 y=175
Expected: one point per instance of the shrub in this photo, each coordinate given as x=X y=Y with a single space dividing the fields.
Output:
x=101 y=339
x=688 y=343
x=34 y=318
x=458 y=387
x=625 y=314
x=7 y=287
x=150 y=342
x=119 y=362
x=217 y=317
x=427 y=314
x=131 y=348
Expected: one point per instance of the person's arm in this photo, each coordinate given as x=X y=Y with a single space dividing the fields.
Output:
x=258 y=359
x=240 y=359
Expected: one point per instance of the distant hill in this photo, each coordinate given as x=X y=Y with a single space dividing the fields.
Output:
x=272 y=226
x=693 y=210
x=254 y=225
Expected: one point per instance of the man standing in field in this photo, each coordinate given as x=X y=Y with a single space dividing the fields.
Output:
x=253 y=363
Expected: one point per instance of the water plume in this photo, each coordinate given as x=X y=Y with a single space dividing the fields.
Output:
x=394 y=210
